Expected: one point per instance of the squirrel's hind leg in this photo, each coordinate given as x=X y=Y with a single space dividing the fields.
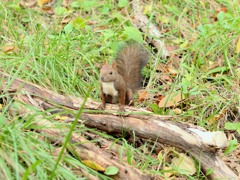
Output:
x=129 y=97
x=122 y=97
x=103 y=98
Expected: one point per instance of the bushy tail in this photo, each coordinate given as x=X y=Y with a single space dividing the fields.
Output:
x=130 y=61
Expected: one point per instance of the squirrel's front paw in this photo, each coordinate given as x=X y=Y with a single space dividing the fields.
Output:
x=121 y=108
x=101 y=107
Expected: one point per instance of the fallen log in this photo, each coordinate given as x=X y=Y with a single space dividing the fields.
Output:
x=195 y=140
x=86 y=150
x=80 y=146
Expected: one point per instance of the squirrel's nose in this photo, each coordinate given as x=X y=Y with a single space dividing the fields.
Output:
x=104 y=78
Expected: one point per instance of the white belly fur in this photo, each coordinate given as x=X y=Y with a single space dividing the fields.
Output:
x=108 y=88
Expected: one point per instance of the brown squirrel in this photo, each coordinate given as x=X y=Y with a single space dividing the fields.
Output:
x=122 y=78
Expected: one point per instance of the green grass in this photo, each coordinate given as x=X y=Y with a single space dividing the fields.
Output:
x=66 y=58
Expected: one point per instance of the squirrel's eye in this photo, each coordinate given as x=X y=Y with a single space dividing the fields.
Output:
x=110 y=72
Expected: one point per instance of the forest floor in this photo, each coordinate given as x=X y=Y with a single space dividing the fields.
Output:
x=61 y=45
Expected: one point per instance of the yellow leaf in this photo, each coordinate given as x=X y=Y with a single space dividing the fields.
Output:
x=93 y=165
x=168 y=171
x=57 y=117
x=238 y=46
x=1 y=107
x=147 y=9
x=177 y=111
x=61 y=118
x=203 y=4
x=171 y=100
x=43 y=2
x=184 y=164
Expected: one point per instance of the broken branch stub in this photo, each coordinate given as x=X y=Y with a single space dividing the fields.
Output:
x=154 y=35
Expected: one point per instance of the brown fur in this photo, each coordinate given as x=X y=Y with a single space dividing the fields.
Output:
x=125 y=73
x=130 y=61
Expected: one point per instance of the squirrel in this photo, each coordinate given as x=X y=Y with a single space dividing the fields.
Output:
x=122 y=78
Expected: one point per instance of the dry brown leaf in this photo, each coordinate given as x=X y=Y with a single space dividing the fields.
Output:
x=8 y=48
x=158 y=98
x=165 y=77
x=93 y=165
x=175 y=60
x=212 y=64
x=171 y=100
x=142 y=95
x=223 y=9
x=161 y=68
x=27 y=3
x=56 y=151
x=91 y=22
x=100 y=28
x=172 y=71
x=66 y=20
x=66 y=3
x=238 y=46
x=215 y=118
x=184 y=164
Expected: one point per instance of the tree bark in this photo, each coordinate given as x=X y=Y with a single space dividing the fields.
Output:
x=87 y=150
x=195 y=140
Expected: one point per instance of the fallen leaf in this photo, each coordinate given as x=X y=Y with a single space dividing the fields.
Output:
x=142 y=95
x=79 y=22
x=93 y=165
x=184 y=164
x=160 y=156
x=66 y=3
x=177 y=111
x=212 y=64
x=223 y=9
x=91 y=22
x=43 y=2
x=1 y=107
x=168 y=171
x=160 y=68
x=8 y=48
x=238 y=46
x=171 y=100
x=27 y=3
x=66 y=20
x=56 y=151
x=165 y=77
x=61 y=118
x=147 y=9
x=175 y=60
x=158 y=98
x=172 y=71
x=218 y=116
x=111 y=170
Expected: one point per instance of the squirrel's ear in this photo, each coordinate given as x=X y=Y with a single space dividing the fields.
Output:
x=114 y=65
x=105 y=62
